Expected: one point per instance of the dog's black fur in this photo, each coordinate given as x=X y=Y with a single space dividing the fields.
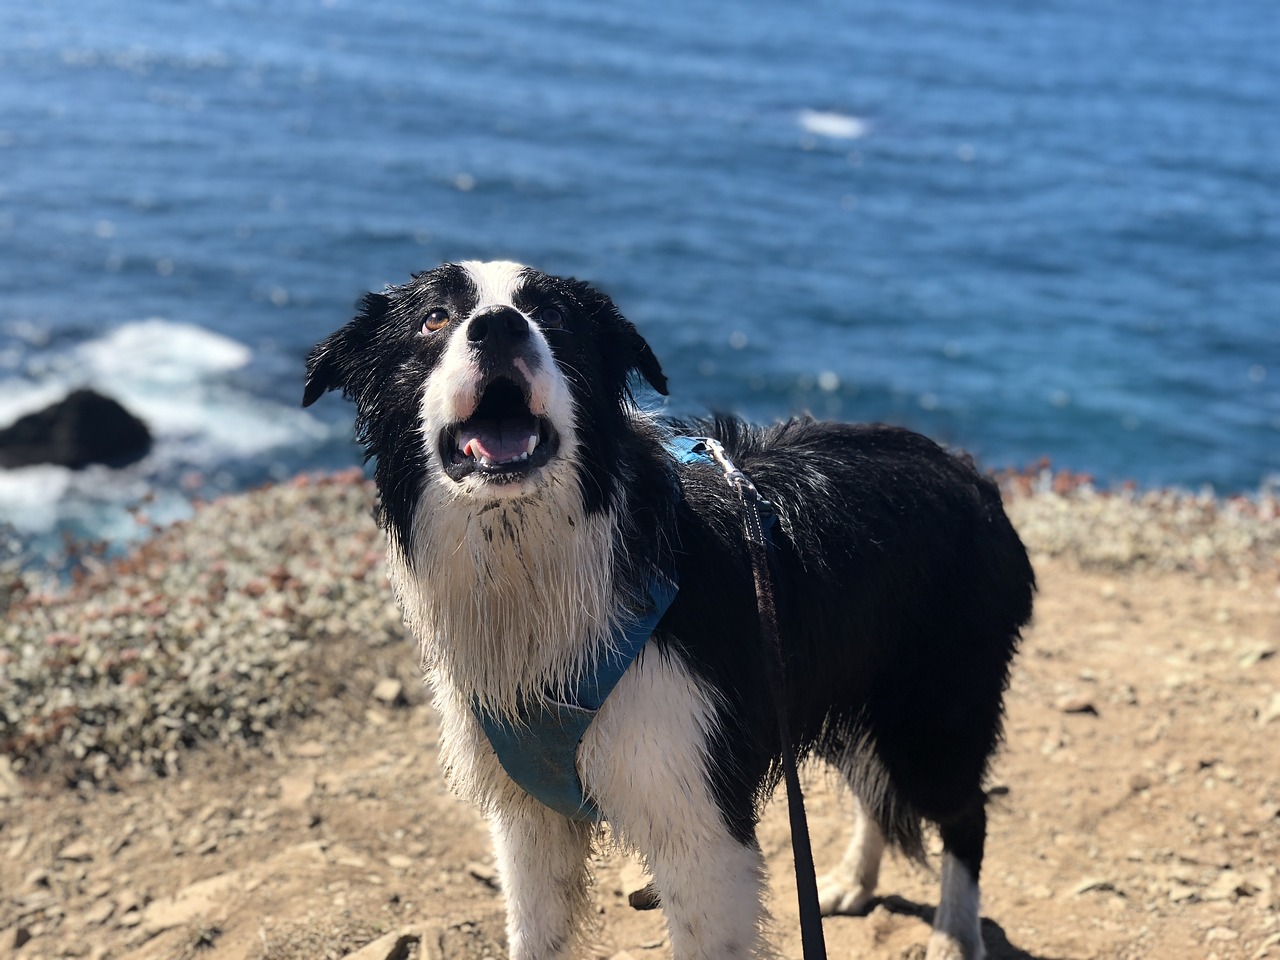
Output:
x=901 y=588
x=901 y=585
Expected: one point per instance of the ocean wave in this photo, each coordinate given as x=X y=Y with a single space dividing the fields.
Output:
x=182 y=381
x=836 y=126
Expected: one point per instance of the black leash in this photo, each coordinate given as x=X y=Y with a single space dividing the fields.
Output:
x=754 y=509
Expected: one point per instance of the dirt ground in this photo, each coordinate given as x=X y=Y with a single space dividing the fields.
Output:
x=1137 y=814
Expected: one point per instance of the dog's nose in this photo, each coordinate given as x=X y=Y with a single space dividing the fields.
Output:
x=494 y=325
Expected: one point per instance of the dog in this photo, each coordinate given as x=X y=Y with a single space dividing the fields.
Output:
x=531 y=506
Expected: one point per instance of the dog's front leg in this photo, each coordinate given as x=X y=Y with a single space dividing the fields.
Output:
x=645 y=761
x=542 y=862
x=542 y=857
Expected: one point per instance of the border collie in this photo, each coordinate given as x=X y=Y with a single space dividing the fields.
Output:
x=528 y=505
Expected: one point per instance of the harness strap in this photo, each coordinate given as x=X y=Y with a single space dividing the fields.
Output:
x=689 y=450
x=539 y=747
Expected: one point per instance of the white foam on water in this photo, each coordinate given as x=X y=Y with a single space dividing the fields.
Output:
x=29 y=496
x=162 y=351
x=38 y=500
x=181 y=380
x=837 y=126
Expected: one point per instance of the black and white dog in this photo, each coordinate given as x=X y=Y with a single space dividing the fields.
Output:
x=529 y=504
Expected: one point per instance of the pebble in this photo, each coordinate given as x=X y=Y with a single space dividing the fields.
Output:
x=646 y=898
x=1219 y=934
x=484 y=873
x=391 y=946
x=1256 y=655
x=1230 y=885
x=77 y=851
x=295 y=791
x=1095 y=885
x=194 y=900
x=10 y=786
x=1271 y=712
x=39 y=877
x=97 y=915
x=389 y=691
x=1076 y=703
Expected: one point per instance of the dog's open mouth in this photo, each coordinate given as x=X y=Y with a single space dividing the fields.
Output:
x=502 y=441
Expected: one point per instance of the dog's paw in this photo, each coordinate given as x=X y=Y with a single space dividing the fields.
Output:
x=837 y=898
x=943 y=946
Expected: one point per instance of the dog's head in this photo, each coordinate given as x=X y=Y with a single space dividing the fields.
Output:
x=492 y=379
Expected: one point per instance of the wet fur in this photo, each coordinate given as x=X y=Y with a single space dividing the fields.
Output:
x=901 y=590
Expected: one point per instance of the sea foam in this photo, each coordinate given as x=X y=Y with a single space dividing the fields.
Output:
x=182 y=381
x=837 y=126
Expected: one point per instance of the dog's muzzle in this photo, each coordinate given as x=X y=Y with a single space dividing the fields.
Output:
x=503 y=440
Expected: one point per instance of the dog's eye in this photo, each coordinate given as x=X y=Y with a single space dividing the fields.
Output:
x=435 y=320
x=551 y=317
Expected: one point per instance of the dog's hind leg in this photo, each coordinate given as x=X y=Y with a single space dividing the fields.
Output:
x=850 y=887
x=957 y=925
x=542 y=862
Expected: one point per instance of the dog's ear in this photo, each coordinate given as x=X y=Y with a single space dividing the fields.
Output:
x=335 y=361
x=624 y=348
x=644 y=360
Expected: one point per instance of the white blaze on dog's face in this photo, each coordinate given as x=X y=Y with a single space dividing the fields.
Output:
x=496 y=409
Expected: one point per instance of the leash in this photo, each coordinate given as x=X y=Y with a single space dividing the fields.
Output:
x=755 y=509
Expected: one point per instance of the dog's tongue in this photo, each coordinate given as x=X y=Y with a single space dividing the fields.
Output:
x=497 y=441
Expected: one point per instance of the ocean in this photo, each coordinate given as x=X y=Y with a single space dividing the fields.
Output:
x=1027 y=229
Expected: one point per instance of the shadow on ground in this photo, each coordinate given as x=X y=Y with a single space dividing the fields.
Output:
x=998 y=945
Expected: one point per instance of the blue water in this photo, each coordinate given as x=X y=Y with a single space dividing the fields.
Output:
x=1030 y=230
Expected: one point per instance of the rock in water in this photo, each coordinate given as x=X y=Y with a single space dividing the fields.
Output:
x=83 y=428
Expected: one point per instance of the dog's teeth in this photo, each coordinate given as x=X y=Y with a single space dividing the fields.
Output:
x=533 y=442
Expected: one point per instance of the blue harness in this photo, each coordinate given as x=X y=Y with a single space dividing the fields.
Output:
x=539 y=749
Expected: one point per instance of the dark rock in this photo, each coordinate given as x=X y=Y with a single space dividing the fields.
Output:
x=646 y=898
x=81 y=429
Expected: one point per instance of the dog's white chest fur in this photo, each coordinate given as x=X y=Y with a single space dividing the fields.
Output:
x=511 y=598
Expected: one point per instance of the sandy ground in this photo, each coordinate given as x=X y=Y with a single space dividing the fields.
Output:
x=1137 y=815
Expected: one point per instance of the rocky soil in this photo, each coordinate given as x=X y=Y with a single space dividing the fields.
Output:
x=220 y=747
